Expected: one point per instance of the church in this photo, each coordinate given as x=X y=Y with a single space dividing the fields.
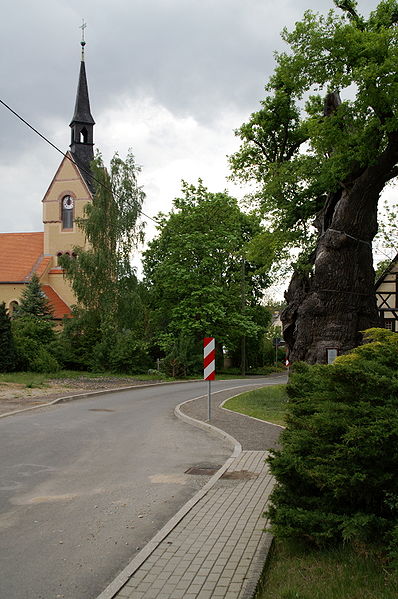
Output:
x=23 y=254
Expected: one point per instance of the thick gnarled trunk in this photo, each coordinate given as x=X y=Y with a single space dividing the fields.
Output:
x=329 y=308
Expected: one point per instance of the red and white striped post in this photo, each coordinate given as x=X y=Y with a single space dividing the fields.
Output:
x=209 y=365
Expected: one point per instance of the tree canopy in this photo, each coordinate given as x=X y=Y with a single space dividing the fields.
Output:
x=112 y=230
x=330 y=112
x=201 y=280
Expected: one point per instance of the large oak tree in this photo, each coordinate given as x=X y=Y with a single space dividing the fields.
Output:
x=321 y=149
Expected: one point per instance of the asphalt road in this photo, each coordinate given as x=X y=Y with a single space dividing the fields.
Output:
x=84 y=485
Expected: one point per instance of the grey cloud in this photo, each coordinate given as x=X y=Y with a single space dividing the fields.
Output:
x=195 y=57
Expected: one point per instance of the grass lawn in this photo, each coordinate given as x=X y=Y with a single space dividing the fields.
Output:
x=296 y=572
x=267 y=403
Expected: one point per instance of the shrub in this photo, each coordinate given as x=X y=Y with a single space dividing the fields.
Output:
x=43 y=362
x=130 y=354
x=156 y=374
x=336 y=471
x=80 y=335
x=33 y=336
x=184 y=357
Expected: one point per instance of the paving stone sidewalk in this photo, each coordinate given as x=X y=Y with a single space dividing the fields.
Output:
x=218 y=549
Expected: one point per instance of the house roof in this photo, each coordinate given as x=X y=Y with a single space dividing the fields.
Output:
x=21 y=254
x=385 y=273
x=60 y=309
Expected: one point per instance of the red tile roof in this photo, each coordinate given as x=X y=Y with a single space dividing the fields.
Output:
x=60 y=309
x=20 y=255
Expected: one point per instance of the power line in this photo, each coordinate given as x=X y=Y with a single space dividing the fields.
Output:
x=66 y=156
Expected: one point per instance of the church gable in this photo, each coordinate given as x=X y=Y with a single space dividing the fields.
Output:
x=63 y=202
x=67 y=179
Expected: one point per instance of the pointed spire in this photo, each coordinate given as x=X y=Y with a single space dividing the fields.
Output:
x=82 y=106
x=82 y=123
x=82 y=112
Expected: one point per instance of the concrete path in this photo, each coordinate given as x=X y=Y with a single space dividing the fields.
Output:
x=216 y=547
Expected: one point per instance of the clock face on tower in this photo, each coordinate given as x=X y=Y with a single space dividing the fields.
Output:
x=68 y=202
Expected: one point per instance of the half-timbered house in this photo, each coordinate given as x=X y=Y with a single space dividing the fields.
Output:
x=387 y=296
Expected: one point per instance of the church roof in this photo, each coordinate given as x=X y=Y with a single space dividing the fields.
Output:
x=60 y=309
x=21 y=254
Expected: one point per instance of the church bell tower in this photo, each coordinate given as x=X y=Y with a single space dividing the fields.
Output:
x=82 y=124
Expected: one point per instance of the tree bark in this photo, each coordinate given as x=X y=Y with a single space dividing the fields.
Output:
x=331 y=306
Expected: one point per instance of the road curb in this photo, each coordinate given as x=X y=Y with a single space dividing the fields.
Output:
x=150 y=547
x=93 y=394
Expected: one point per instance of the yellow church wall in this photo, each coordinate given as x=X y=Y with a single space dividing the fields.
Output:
x=67 y=181
x=10 y=293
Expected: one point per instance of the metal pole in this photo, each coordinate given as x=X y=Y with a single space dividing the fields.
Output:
x=243 y=339
x=209 y=402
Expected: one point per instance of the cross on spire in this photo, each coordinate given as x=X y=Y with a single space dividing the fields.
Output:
x=83 y=42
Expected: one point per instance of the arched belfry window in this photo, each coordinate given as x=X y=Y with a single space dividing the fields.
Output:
x=67 y=212
x=84 y=136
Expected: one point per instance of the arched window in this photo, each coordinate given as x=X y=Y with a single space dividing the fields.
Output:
x=67 y=212
x=13 y=306
x=83 y=136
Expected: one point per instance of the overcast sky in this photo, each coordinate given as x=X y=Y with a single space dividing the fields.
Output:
x=171 y=79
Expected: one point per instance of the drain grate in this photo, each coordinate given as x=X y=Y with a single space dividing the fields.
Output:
x=203 y=470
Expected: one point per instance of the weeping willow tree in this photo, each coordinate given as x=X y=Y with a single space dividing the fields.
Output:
x=102 y=272
x=321 y=149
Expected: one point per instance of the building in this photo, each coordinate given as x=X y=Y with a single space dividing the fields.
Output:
x=22 y=254
x=387 y=296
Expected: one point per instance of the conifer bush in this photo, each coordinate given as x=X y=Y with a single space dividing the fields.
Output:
x=34 y=338
x=7 y=348
x=337 y=469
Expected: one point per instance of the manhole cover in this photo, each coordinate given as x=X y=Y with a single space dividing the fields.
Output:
x=100 y=410
x=203 y=471
x=239 y=475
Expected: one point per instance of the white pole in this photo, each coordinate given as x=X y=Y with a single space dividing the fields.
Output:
x=209 y=402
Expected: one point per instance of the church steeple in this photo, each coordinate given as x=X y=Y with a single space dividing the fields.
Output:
x=82 y=124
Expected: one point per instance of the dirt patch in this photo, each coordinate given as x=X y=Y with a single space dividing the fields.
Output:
x=16 y=396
